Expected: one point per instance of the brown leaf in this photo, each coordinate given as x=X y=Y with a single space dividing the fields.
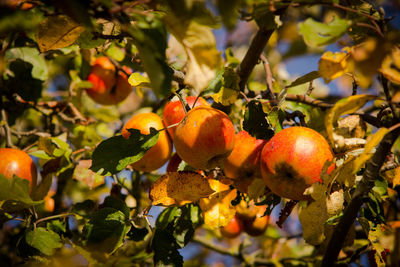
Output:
x=57 y=32
x=179 y=188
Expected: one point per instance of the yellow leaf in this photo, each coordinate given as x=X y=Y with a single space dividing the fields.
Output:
x=390 y=67
x=139 y=81
x=199 y=44
x=179 y=188
x=396 y=179
x=57 y=32
x=333 y=65
x=219 y=185
x=372 y=143
x=225 y=96
x=345 y=106
x=217 y=209
x=85 y=175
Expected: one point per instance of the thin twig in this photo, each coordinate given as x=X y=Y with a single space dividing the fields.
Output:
x=54 y=217
x=385 y=86
x=308 y=100
x=269 y=92
x=7 y=129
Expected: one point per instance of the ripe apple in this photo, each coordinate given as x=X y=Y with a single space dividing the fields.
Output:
x=244 y=161
x=257 y=225
x=292 y=160
x=233 y=229
x=109 y=87
x=173 y=163
x=15 y=161
x=205 y=137
x=174 y=112
x=160 y=153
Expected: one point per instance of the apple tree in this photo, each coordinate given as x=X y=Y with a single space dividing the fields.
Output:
x=154 y=128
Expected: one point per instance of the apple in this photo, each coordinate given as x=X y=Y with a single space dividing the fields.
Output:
x=173 y=163
x=292 y=160
x=15 y=161
x=109 y=87
x=233 y=229
x=174 y=112
x=244 y=161
x=204 y=138
x=160 y=153
x=256 y=226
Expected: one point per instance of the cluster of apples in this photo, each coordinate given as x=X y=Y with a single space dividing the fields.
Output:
x=205 y=138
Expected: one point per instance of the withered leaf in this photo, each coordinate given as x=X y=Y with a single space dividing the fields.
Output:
x=179 y=188
x=57 y=32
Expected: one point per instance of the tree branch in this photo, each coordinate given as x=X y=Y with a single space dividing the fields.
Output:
x=372 y=169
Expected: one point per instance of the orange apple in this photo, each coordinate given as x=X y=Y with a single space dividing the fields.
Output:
x=233 y=229
x=160 y=153
x=174 y=112
x=256 y=226
x=292 y=160
x=109 y=87
x=244 y=161
x=15 y=161
x=205 y=137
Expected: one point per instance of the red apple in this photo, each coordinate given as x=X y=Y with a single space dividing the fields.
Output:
x=109 y=87
x=173 y=163
x=15 y=161
x=233 y=229
x=244 y=161
x=174 y=112
x=293 y=159
x=205 y=137
x=160 y=153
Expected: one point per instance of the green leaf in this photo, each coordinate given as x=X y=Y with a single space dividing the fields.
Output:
x=305 y=79
x=151 y=41
x=87 y=40
x=44 y=240
x=114 y=154
x=115 y=203
x=318 y=34
x=31 y=55
x=137 y=234
x=56 y=226
x=165 y=249
x=255 y=122
x=166 y=216
x=106 y=229
x=229 y=12
x=115 y=52
x=84 y=208
x=16 y=190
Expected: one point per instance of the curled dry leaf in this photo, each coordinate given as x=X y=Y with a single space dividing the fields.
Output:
x=217 y=209
x=179 y=188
